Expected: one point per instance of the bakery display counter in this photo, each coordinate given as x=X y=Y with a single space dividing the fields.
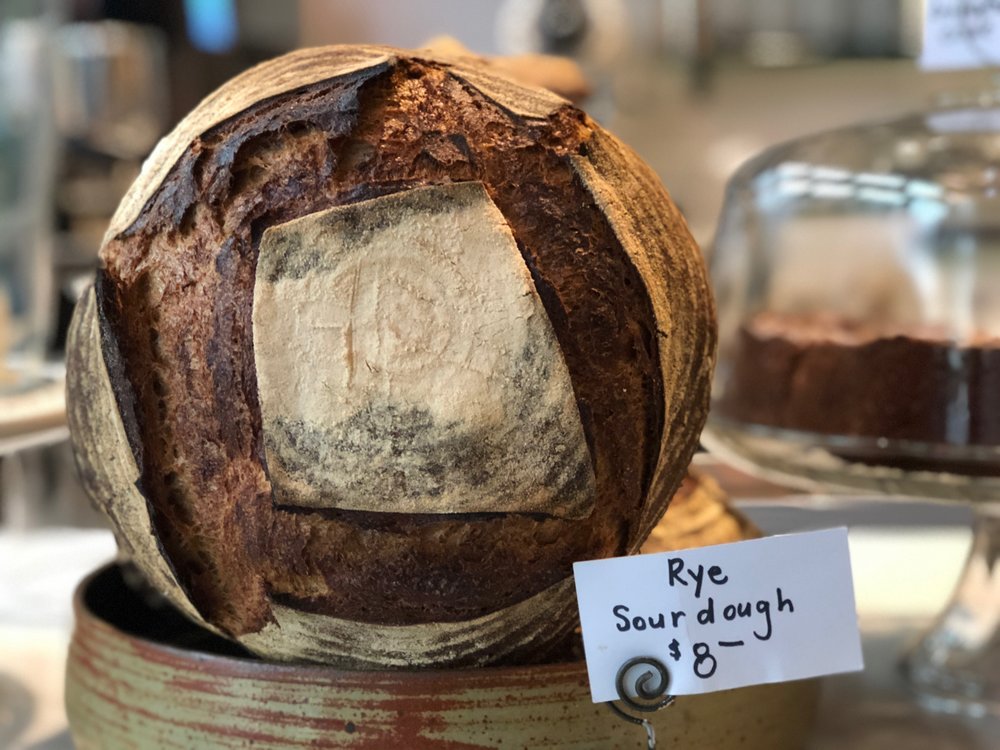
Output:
x=903 y=575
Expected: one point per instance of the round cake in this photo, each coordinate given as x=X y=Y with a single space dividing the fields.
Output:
x=381 y=343
x=825 y=374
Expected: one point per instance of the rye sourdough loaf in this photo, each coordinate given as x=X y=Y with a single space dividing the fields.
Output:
x=380 y=344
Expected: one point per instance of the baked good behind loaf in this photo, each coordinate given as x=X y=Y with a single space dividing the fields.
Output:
x=381 y=343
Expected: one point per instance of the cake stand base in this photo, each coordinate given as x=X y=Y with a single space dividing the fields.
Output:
x=955 y=667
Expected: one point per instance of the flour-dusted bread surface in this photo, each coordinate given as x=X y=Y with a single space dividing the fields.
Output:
x=545 y=311
x=404 y=361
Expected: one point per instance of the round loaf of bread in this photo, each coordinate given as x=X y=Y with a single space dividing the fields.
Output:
x=381 y=344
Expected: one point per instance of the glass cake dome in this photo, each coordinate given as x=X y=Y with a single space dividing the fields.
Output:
x=857 y=275
x=858 y=282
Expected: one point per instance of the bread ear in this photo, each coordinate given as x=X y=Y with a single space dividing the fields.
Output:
x=105 y=460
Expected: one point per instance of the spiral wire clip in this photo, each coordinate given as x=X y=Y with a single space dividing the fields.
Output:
x=648 y=697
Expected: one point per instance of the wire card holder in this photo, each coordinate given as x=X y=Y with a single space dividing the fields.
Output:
x=650 y=695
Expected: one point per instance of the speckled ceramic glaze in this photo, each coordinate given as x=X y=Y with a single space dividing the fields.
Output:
x=141 y=676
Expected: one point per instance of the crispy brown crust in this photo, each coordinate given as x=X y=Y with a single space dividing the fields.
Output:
x=183 y=275
x=98 y=408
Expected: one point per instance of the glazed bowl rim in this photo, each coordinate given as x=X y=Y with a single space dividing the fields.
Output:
x=260 y=668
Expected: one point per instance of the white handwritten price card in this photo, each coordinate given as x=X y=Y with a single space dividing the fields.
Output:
x=767 y=610
x=961 y=34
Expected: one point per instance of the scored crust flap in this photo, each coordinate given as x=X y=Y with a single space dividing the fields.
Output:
x=656 y=238
x=104 y=458
x=295 y=70
x=529 y=629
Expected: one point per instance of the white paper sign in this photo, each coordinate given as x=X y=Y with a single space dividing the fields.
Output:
x=961 y=34
x=767 y=610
